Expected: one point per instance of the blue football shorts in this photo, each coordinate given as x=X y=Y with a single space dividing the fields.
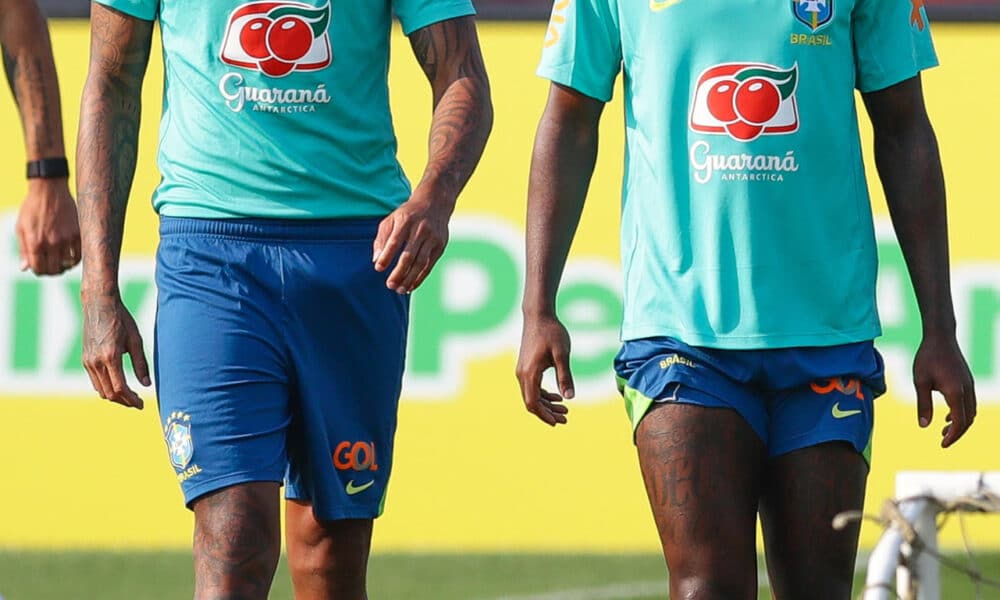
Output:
x=279 y=357
x=792 y=397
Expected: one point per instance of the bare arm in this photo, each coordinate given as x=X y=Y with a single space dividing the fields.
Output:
x=449 y=54
x=906 y=155
x=47 y=229
x=106 y=158
x=31 y=73
x=561 y=167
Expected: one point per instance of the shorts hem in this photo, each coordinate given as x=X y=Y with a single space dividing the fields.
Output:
x=700 y=398
x=814 y=438
x=212 y=485
x=347 y=513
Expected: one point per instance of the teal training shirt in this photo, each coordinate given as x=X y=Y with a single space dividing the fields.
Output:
x=746 y=220
x=279 y=109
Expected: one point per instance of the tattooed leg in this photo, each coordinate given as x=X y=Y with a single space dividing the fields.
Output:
x=237 y=541
x=702 y=468
x=803 y=490
x=328 y=559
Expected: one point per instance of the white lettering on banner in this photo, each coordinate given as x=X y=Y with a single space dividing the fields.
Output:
x=467 y=312
x=232 y=88
x=740 y=167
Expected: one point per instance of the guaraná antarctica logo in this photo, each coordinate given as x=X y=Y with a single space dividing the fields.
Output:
x=746 y=100
x=277 y=38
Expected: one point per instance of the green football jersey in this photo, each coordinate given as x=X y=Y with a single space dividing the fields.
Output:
x=280 y=108
x=746 y=219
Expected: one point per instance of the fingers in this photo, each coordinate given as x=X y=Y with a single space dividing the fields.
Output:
x=957 y=419
x=401 y=277
x=415 y=262
x=545 y=405
x=104 y=366
x=550 y=408
x=925 y=405
x=48 y=257
x=138 y=355
x=98 y=379
x=22 y=245
x=52 y=262
x=971 y=404
x=109 y=382
x=120 y=391
x=563 y=375
x=35 y=256
x=389 y=240
x=530 y=381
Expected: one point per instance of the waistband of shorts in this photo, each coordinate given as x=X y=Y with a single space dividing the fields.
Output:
x=274 y=229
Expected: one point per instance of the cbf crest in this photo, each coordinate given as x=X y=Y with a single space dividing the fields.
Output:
x=179 y=443
x=814 y=14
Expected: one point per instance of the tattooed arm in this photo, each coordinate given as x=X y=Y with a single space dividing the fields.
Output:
x=47 y=229
x=449 y=54
x=106 y=155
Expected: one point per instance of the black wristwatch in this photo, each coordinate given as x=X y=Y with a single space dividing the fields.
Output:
x=48 y=168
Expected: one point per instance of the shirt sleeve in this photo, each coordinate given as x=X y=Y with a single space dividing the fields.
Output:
x=892 y=42
x=417 y=14
x=147 y=10
x=583 y=47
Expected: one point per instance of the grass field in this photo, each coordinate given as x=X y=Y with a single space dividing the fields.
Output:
x=166 y=575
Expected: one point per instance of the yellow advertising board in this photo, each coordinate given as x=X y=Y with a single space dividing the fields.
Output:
x=473 y=470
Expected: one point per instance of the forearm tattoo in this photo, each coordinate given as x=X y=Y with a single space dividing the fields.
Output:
x=448 y=53
x=32 y=80
x=107 y=147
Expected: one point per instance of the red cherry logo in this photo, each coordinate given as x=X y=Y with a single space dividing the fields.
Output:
x=743 y=131
x=289 y=38
x=720 y=100
x=253 y=38
x=275 y=67
x=757 y=100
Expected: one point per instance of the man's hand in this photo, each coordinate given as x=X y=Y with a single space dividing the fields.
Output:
x=48 y=232
x=544 y=344
x=109 y=332
x=417 y=232
x=939 y=365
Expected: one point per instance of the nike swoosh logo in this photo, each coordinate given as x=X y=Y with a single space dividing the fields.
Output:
x=352 y=489
x=658 y=5
x=843 y=414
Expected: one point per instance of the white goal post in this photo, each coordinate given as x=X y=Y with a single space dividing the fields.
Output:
x=899 y=568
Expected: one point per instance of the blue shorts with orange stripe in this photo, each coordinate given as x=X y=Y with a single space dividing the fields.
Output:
x=792 y=397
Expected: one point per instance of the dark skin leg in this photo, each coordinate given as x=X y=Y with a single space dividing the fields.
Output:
x=702 y=468
x=328 y=559
x=803 y=491
x=237 y=541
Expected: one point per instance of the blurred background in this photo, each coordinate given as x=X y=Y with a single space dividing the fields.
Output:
x=485 y=501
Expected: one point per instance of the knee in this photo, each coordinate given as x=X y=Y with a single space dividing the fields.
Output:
x=328 y=547
x=237 y=531
x=710 y=587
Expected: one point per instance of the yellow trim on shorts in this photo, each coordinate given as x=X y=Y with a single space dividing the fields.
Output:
x=637 y=404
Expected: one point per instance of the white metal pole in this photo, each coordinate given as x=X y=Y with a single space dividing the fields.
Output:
x=918 y=576
x=885 y=560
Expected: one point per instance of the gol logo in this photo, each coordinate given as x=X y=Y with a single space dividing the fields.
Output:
x=844 y=386
x=277 y=38
x=746 y=100
x=359 y=456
